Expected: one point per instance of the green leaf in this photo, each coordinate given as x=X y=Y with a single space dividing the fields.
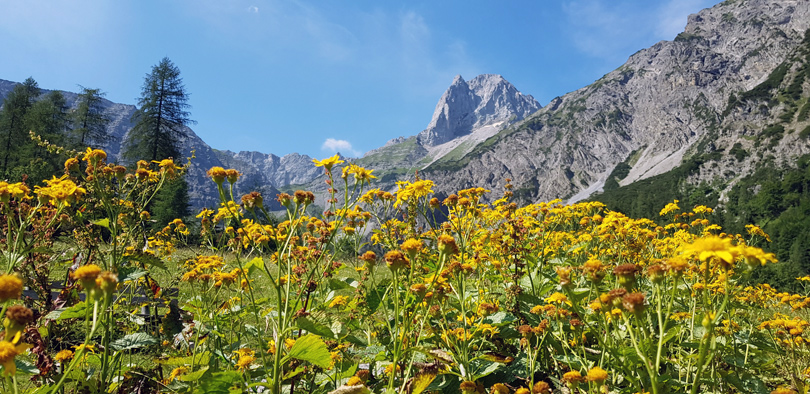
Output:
x=45 y=389
x=103 y=223
x=314 y=327
x=134 y=341
x=294 y=373
x=199 y=359
x=500 y=318
x=256 y=264
x=149 y=260
x=131 y=274
x=25 y=367
x=77 y=311
x=748 y=384
x=355 y=340
x=490 y=368
x=335 y=284
x=375 y=296
x=310 y=348
x=219 y=382
x=194 y=376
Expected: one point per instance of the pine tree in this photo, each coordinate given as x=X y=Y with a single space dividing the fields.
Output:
x=12 y=123
x=89 y=119
x=161 y=120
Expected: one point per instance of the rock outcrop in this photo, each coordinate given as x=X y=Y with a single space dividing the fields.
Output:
x=656 y=107
x=486 y=99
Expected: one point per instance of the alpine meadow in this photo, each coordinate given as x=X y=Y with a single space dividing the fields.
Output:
x=648 y=233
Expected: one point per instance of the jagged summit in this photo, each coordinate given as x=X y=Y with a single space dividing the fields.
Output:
x=485 y=99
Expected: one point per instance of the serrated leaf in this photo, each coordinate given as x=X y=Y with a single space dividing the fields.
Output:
x=134 y=341
x=314 y=327
x=77 y=311
x=312 y=349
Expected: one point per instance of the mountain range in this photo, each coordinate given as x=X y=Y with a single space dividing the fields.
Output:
x=728 y=94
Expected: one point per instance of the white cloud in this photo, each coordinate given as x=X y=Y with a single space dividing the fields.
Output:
x=342 y=146
x=253 y=9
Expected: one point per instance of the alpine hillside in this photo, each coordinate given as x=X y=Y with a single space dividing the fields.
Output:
x=648 y=115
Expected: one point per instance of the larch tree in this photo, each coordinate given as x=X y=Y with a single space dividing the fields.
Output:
x=89 y=120
x=162 y=116
x=13 y=122
x=160 y=126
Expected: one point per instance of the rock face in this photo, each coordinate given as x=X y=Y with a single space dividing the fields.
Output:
x=486 y=99
x=268 y=169
x=655 y=107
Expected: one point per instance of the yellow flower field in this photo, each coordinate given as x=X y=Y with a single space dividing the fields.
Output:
x=385 y=292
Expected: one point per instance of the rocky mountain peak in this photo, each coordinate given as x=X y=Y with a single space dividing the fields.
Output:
x=486 y=99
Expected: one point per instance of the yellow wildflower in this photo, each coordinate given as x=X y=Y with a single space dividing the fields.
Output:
x=63 y=355
x=10 y=287
x=328 y=163
x=8 y=351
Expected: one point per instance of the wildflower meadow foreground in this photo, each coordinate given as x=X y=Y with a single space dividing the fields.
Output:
x=383 y=292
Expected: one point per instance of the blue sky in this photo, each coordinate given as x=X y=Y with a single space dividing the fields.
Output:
x=319 y=76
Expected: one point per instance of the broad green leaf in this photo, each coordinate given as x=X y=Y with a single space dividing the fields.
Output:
x=134 y=341
x=199 y=359
x=256 y=264
x=482 y=372
x=355 y=340
x=77 y=311
x=748 y=384
x=193 y=376
x=314 y=327
x=294 y=373
x=149 y=260
x=335 y=284
x=131 y=274
x=500 y=318
x=218 y=382
x=25 y=367
x=310 y=348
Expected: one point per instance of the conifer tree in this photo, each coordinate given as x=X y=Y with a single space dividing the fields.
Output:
x=89 y=119
x=160 y=126
x=161 y=120
x=48 y=118
x=13 y=123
